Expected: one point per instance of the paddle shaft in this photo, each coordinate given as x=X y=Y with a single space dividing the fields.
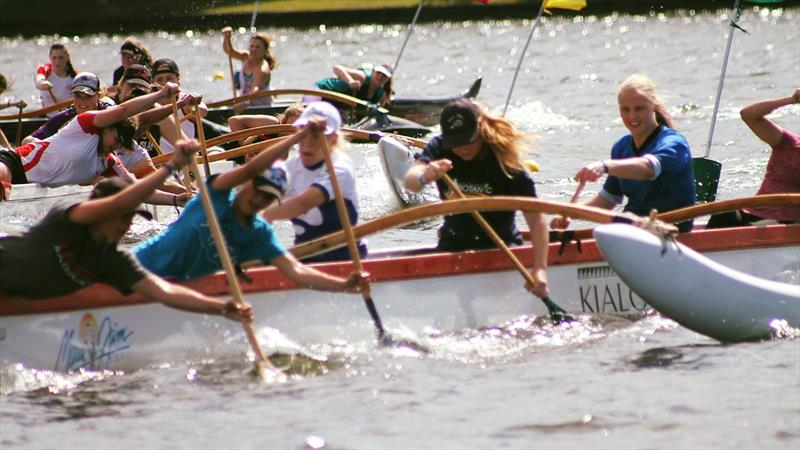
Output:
x=52 y=95
x=38 y=112
x=4 y=140
x=187 y=178
x=261 y=360
x=487 y=228
x=19 y=128
x=344 y=218
x=154 y=143
x=201 y=135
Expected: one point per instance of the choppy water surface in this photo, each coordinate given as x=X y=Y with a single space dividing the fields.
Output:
x=597 y=383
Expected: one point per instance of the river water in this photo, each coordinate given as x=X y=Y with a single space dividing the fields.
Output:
x=599 y=384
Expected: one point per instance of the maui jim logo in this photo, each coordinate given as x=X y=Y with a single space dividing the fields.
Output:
x=92 y=346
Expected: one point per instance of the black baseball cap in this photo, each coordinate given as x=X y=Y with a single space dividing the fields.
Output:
x=165 y=65
x=110 y=186
x=459 y=122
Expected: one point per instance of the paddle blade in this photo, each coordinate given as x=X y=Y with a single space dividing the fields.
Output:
x=388 y=341
x=557 y=313
x=706 y=178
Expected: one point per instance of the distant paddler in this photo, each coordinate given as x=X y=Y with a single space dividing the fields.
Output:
x=166 y=71
x=75 y=245
x=84 y=149
x=783 y=168
x=54 y=79
x=86 y=95
x=258 y=62
x=185 y=250
x=372 y=84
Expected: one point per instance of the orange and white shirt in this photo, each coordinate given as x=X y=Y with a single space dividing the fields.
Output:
x=62 y=86
x=69 y=156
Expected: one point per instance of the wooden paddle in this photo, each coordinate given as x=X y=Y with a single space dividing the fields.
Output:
x=38 y=112
x=557 y=313
x=4 y=141
x=187 y=176
x=153 y=142
x=52 y=95
x=262 y=363
x=19 y=128
x=352 y=247
x=201 y=135
x=575 y=196
x=330 y=95
x=347 y=228
x=233 y=75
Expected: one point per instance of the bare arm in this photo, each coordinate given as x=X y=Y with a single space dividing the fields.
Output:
x=240 y=174
x=353 y=78
x=128 y=199
x=227 y=45
x=114 y=114
x=755 y=117
x=540 y=241
x=295 y=206
x=309 y=277
x=429 y=173
x=185 y=299
x=637 y=168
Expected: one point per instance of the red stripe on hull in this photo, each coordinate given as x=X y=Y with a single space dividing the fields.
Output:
x=410 y=267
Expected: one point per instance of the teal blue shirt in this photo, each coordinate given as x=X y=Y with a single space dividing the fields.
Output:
x=336 y=85
x=186 y=250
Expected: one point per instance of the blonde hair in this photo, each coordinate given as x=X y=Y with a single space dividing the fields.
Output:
x=505 y=140
x=645 y=87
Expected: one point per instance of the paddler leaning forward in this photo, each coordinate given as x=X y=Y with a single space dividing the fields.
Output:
x=75 y=245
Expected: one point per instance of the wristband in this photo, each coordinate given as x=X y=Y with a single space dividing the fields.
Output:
x=171 y=167
x=175 y=201
x=605 y=166
x=422 y=179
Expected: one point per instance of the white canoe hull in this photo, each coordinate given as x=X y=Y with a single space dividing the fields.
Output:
x=414 y=294
x=396 y=159
x=696 y=291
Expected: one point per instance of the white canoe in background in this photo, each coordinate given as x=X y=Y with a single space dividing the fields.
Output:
x=396 y=159
x=697 y=292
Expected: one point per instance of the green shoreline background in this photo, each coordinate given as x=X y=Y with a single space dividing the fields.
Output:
x=48 y=17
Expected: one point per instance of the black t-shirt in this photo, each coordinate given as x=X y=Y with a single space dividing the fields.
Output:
x=482 y=176
x=57 y=257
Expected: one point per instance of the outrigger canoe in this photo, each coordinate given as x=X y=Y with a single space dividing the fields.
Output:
x=698 y=292
x=408 y=116
x=416 y=290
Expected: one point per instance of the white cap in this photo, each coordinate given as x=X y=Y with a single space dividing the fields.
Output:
x=322 y=109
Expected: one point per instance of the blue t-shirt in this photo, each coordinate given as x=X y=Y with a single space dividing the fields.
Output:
x=672 y=185
x=186 y=250
x=481 y=176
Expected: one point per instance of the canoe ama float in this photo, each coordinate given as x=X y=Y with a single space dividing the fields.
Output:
x=698 y=292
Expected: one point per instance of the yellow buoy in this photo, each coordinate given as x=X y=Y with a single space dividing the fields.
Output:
x=219 y=75
x=531 y=165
